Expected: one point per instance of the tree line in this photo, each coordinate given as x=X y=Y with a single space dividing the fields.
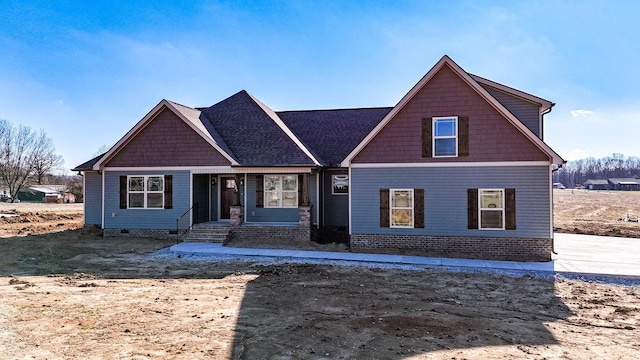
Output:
x=27 y=158
x=575 y=172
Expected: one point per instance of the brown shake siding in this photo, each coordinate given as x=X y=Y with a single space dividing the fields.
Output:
x=167 y=141
x=492 y=137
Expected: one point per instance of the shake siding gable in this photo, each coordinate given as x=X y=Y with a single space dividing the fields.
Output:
x=167 y=141
x=492 y=138
x=446 y=198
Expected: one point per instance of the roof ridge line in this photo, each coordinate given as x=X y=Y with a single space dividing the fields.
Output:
x=276 y=119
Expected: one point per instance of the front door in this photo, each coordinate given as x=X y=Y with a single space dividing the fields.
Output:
x=227 y=196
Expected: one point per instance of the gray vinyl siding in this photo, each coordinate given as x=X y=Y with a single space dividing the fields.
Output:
x=527 y=112
x=145 y=218
x=445 y=198
x=265 y=214
x=336 y=207
x=92 y=198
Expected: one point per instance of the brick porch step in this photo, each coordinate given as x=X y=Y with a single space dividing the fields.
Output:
x=209 y=234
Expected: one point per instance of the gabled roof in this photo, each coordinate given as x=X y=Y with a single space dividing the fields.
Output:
x=332 y=134
x=624 y=181
x=88 y=165
x=597 y=182
x=189 y=115
x=255 y=135
x=544 y=104
x=466 y=77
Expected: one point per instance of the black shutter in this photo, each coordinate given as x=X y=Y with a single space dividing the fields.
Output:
x=301 y=190
x=472 y=208
x=463 y=136
x=123 y=192
x=418 y=206
x=510 y=209
x=427 y=136
x=384 y=207
x=168 y=191
x=259 y=191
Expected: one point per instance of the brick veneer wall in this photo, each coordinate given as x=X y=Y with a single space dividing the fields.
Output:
x=489 y=248
x=271 y=234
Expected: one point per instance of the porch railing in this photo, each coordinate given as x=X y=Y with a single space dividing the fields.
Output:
x=185 y=222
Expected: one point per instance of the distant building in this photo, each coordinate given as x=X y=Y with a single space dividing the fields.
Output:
x=46 y=193
x=596 y=184
x=625 y=184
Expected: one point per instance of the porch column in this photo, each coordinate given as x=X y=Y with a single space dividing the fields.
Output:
x=236 y=198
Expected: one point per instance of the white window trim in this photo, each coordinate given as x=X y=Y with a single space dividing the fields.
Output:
x=333 y=187
x=434 y=137
x=412 y=208
x=480 y=208
x=280 y=191
x=145 y=192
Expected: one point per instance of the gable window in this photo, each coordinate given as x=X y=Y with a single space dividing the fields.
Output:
x=491 y=209
x=280 y=191
x=145 y=192
x=445 y=136
x=340 y=184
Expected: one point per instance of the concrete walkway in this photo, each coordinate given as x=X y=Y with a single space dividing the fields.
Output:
x=576 y=254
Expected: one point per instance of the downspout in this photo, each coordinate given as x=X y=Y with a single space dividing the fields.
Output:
x=542 y=114
x=542 y=121
x=553 y=243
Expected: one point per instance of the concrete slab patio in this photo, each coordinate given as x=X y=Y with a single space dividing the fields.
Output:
x=575 y=254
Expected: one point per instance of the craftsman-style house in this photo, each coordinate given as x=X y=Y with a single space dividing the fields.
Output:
x=457 y=168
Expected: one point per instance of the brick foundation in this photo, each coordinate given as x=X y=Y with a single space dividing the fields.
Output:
x=271 y=234
x=488 y=248
x=147 y=233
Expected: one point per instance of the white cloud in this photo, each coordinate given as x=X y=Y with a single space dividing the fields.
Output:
x=577 y=153
x=581 y=113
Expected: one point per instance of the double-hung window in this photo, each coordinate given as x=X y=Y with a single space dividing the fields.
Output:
x=145 y=192
x=281 y=191
x=445 y=136
x=491 y=208
x=401 y=207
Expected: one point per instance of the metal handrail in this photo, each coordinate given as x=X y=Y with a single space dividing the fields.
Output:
x=194 y=220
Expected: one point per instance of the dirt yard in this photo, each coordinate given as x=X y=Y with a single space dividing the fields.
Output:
x=597 y=212
x=67 y=293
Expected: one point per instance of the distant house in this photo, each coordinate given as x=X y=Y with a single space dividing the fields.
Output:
x=596 y=184
x=45 y=193
x=625 y=184
x=457 y=168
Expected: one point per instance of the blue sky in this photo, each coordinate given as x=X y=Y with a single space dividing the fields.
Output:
x=87 y=71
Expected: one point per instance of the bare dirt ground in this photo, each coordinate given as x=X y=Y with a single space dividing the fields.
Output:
x=67 y=293
x=597 y=212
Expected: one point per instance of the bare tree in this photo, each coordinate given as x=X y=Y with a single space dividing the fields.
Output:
x=45 y=159
x=24 y=155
